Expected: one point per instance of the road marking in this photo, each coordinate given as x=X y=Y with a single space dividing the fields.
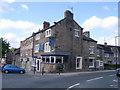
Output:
x=73 y=86
x=94 y=79
x=111 y=75
x=115 y=80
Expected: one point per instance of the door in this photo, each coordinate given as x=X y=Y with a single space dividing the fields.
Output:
x=38 y=62
x=78 y=62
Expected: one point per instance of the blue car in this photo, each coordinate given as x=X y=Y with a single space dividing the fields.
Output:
x=12 y=68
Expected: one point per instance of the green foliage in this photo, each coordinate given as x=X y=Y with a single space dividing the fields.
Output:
x=4 y=47
x=110 y=66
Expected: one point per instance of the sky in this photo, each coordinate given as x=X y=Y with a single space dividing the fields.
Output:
x=18 y=20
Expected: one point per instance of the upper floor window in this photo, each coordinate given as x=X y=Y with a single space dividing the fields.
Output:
x=76 y=33
x=47 y=47
x=107 y=55
x=91 y=49
x=37 y=37
x=115 y=55
x=98 y=53
x=48 y=33
x=36 y=48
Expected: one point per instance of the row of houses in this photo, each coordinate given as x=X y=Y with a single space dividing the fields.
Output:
x=65 y=44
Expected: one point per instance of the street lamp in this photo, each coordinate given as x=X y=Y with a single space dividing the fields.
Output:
x=116 y=51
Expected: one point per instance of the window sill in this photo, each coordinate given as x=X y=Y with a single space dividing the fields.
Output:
x=91 y=66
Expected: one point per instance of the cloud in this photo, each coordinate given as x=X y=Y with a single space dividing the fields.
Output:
x=105 y=7
x=13 y=39
x=25 y=6
x=10 y=1
x=102 y=28
x=17 y=30
x=108 y=23
x=5 y=8
x=24 y=26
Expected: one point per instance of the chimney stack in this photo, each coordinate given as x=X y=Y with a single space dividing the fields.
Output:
x=87 y=34
x=68 y=14
x=46 y=25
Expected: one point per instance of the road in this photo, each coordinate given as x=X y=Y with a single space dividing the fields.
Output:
x=67 y=81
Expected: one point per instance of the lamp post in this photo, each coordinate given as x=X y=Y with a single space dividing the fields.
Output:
x=116 y=49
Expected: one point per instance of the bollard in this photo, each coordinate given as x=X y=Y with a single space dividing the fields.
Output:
x=34 y=70
x=59 y=71
x=43 y=71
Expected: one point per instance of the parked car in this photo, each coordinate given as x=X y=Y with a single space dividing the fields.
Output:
x=118 y=72
x=2 y=66
x=12 y=68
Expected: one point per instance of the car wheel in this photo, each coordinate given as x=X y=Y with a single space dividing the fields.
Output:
x=6 y=71
x=21 y=72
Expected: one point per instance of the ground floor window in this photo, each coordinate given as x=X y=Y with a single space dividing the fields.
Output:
x=101 y=63
x=78 y=62
x=97 y=63
x=52 y=59
x=91 y=62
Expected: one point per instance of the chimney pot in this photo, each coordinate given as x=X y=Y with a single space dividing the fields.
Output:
x=68 y=14
x=46 y=25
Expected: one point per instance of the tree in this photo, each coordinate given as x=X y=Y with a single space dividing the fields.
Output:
x=4 y=47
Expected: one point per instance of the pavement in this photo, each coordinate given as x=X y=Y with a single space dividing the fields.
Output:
x=67 y=73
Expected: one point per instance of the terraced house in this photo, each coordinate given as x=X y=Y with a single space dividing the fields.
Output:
x=109 y=54
x=62 y=44
x=26 y=53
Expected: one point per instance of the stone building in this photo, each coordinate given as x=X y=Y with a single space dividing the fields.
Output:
x=26 y=53
x=89 y=52
x=60 y=44
x=16 y=60
x=64 y=45
x=110 y=53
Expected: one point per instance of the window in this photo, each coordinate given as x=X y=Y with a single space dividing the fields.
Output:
x=47 y=59
x=91 y=63
x=76 y=33
x=47 y=47
x=78 y=62
x=91 y=49
x=37 y=37
x=115 y=55
x=36 y=49
x=52 y=59
x=59 y=60
x=101 y=63
x=98 y=53
x=41 y=47
x=48 y=33
x=107 y=55
x=26 y=53
x=43 y=59
x=21 y=54
x=97 y=63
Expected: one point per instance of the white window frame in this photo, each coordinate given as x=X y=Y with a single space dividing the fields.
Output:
x=80 y=63
x=36 y=48
x=98 y=53
x=102 y=63
x=48 y=33
x=37 y=37
x=76 y=32
x=47 y=47
x=106 y=55
x=93 y=58
x=91 y=48
x=98 y=63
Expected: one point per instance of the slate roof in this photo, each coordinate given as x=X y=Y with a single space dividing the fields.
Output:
x=88 y=39
x=107 y=48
